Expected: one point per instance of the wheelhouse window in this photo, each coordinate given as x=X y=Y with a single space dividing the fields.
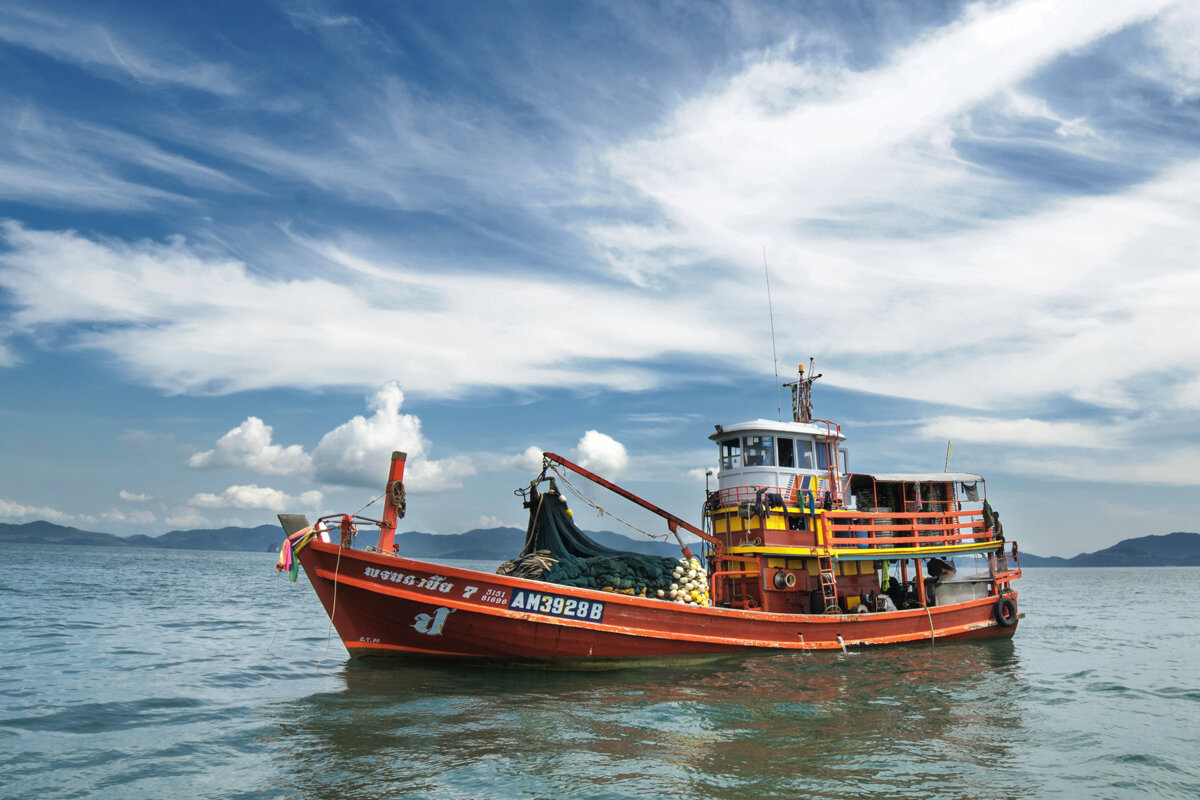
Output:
x=822 y=455
x=787 y=452
x=804 y=454
x=731 y=454
x=759 y=451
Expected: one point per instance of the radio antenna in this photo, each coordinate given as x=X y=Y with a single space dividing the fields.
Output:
x=774 y=357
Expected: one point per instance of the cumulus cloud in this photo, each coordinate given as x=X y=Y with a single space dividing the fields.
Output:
x=529 y=460
x=249 y=446
x=134 y=497
x=357 y=452
x=256 y=497
x=600 y=452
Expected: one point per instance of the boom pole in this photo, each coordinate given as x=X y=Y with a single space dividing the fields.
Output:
x=673 y=522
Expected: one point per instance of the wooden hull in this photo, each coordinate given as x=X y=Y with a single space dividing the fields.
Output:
x=388 y=607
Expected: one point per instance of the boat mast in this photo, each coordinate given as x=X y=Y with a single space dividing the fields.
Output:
x=395 y=504
x=802 y=393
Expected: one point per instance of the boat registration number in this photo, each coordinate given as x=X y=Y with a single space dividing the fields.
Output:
x=556 y=605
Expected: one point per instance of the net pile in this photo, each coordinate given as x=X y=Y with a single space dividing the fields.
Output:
x=563 y=554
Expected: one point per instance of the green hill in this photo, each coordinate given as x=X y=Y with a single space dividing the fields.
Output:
x=1163 y=550
x=493 y=544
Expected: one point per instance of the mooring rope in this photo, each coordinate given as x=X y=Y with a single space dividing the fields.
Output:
x=333 y=608
x=278 y=578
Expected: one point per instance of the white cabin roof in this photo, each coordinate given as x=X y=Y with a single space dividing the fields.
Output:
x=775 y=426
x=924 y=477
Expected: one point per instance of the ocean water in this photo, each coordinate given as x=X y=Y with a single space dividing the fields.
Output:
x=149 y=674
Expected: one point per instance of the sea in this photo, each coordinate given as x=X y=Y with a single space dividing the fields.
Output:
x=140 y=673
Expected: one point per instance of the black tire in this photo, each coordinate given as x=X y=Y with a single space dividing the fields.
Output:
x=1005 y=611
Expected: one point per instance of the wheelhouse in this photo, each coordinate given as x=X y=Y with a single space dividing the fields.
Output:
x=797 y=532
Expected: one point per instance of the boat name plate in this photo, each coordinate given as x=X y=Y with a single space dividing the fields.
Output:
x=556 y=605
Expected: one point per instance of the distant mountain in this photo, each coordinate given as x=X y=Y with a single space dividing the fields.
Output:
x=499 y=544
x=492 y=544
x=1164 y=550
x=42 y=532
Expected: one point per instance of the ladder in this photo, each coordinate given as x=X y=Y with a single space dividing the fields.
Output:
x=829 y=596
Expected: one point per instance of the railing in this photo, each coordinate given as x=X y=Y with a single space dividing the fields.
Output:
x=736 y=495
x=887 y=529
x=796 y=497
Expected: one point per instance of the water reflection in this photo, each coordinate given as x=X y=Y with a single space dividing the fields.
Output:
x=922 y=721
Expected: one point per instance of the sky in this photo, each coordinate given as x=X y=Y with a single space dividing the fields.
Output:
x=247 y=250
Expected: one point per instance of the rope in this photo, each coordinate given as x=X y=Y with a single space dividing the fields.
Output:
x=278 y=577
x=537 y=515
x=333 y=609
x=396 y=490
x=658 y=537
x=932 y=635
x=532 y=566
x=370 y=503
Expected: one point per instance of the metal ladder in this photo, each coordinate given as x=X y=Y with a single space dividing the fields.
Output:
x=828 y=584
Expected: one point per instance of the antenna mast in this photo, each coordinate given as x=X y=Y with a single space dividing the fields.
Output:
x=774 y=357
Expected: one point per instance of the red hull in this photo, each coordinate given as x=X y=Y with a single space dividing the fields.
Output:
x=386 y=607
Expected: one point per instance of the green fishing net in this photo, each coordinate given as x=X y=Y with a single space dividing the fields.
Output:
x=575 y=560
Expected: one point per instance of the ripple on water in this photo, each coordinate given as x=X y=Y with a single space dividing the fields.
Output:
x=88 y=718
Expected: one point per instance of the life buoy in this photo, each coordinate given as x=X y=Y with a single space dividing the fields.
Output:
x=1005 y=611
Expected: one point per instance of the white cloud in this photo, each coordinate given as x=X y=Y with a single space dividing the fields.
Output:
x=1177 y=32
x=249 y=446
x=486 y=522
x=73 y=39
x=357 y=452
x=777 y=145
x=1162 y=467
x=11 y=510
x=529 y=460
x=183 y=322
x=257 y=497
x=1022 y=432
x=134 y=497
x=601 y=453
x=186 y=518
x=141 y=517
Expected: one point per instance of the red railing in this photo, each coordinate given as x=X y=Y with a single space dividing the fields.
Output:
x=852 y=529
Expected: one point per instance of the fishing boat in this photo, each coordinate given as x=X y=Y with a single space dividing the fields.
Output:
x=794 y=552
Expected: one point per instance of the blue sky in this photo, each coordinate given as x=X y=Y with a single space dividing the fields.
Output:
x=248 y=249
